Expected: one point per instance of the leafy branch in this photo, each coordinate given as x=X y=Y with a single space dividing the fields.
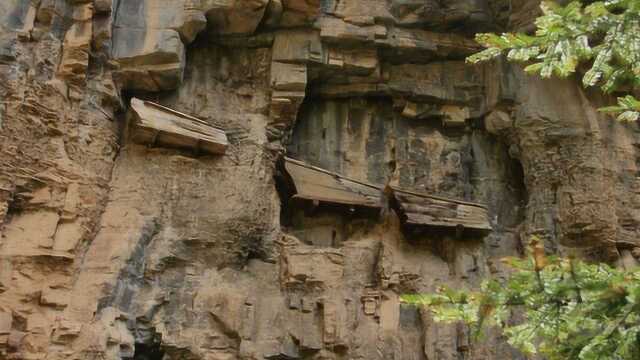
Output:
x=569 y=309
x=603 y=36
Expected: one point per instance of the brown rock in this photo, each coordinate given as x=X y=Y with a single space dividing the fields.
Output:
x=5 y=325
x=288 y=77
x=148 y=61
x=312 y=267
x=454 y=116
x=295 y=46
x=497 y=121
x=76 y=45
x=31 y=233
x=102 y=6
x=234 y=17
x=299 y=12
x=58 y=298
x=68 y=236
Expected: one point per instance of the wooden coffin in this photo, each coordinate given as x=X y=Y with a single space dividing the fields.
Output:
x=155 y=124
x=313 y=183
x=415 y=209
x=422 y=209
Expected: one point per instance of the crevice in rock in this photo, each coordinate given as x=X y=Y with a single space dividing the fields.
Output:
x=252 y=249
x=517 y=185
x=148 y=351
x=131 y=277
x=13 y=209
x=285 y=189
x=225 y=328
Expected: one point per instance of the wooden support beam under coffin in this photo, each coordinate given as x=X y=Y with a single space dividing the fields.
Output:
x=154 y=124
x=416 y=210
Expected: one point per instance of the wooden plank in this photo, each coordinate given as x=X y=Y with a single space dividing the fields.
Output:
x=400 y=191
x=153 y=123
x=418 y=219
x=423 y=209
x=313 y=183
x=476 y=220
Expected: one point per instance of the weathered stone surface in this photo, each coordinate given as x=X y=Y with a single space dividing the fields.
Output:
x=149 y=38
x=438 y=82
x=299 y=12
x=234 y=17
x=6 y=320
x=312 y=268
x=497 y=121
x=27 y=240
x=76 y=44
x=296 y=46
x=150 y=61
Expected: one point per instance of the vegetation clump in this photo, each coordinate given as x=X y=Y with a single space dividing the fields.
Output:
x=569 y=309
x=602 y=38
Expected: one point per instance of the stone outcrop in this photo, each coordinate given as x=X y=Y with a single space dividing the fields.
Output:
x=183 y=243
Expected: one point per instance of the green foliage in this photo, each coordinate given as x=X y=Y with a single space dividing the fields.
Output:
x=628 y=107
x=569 y=309
x=603 y=35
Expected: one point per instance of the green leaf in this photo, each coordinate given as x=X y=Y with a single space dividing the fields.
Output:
x=484 y=55
x=492 y=41
x=567 y=309
x=533 y=68
x=523 y=54
x=595 y=73
x=629 y=116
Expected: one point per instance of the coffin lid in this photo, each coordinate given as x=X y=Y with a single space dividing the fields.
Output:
x=156 y=124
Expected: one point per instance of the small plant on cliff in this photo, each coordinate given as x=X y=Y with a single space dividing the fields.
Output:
x=600 y=37
x=569 y=309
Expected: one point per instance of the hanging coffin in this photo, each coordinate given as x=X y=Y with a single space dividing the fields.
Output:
x=416 y=210
x=155 y=124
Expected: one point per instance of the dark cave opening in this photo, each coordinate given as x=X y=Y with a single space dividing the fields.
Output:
x=520 y=198
x=148 y=352
x=518 y=185
x=285 y=189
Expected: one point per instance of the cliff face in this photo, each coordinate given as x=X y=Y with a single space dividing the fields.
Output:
x=112 y=249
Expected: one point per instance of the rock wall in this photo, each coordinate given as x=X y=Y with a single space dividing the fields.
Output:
x=114 y=250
